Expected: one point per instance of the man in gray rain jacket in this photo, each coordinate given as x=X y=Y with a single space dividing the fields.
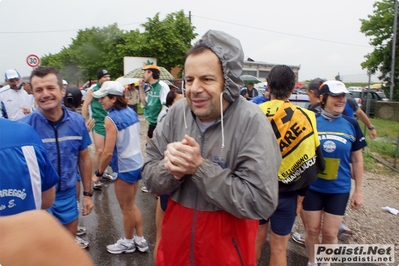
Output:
x=216 y=154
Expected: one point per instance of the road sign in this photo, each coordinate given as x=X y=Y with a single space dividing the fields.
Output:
x=33 y=60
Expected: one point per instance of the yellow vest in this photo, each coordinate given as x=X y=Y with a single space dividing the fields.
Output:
x=296 y=133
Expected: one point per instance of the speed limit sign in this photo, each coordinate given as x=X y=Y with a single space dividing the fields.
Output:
x=33 y=60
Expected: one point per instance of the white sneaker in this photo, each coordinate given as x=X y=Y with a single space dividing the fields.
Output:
x=81 y=231
x=143 y=246
x=144 y=189
x=81 y=243
x=298 y=237
x=121 y=247
x=106 y=176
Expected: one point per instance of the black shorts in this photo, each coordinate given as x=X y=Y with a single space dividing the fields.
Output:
x=151 y=129
x=330 y=203
x=283 y=218
x=164 y=201
x=133 y=106
x=302 y=191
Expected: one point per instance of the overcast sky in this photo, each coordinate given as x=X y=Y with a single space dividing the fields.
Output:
x=323 y=37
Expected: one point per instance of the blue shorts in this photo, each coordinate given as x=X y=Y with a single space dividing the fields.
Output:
x=283 y=218
x=131 y=177
x=330 y=203
x=164 y=201
x=66 y=206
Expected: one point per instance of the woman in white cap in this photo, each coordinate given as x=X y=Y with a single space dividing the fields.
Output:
x=342 y=141
x=122 y=151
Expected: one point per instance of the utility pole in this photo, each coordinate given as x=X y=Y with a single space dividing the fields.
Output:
x=393 y=52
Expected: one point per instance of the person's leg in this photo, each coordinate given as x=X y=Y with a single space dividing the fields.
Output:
x=159 y=214
x=261 y=237
x=139 y=221
x=281 y=223
x=126 y=193
x=312 y=220
x=65 y=209
x=72 y=227
x=330 y=228
x=313 y=205
x=99 y=141
x=334 y=212
x=296 y=236
x=278 y=249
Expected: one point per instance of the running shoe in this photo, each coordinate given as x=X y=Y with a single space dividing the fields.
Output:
x=107 y=176
x=121 y=247
x=298 y=237
x=81 y=231
x=81 y=243
x=144 y=189
x=142 y=246
x=344 y=232
x=98 y=185
x=114 y=176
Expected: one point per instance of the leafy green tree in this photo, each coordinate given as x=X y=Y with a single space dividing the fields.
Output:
x=379 y=27
x=168 y=40
x=95 y=48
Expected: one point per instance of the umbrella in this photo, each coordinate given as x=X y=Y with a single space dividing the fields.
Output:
x=124 y=81
x=250 y=78
x=138 y=73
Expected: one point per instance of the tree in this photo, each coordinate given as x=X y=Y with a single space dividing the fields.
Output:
x=379 y=27
x=168 y=40
x=94 y=48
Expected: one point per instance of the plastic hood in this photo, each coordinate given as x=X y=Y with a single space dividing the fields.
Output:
x=231 y=55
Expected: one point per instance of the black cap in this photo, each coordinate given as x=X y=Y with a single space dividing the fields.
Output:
x=73 y=97
x=101 y=73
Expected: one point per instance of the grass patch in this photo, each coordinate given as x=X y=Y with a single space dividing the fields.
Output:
x=384 y=146
x=140 y=110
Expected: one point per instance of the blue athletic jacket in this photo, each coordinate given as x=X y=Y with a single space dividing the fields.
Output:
x=63 y=143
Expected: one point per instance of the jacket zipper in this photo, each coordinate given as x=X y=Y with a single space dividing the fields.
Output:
x=58 y=157
x=238 y=250
x=195 y=214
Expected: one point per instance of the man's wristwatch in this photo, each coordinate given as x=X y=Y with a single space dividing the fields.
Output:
x=89 y=194
x=97 y=173
x=372 y=127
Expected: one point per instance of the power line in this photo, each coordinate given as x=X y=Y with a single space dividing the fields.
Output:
x=221 y=21
x=55 y=31
x=284 y=33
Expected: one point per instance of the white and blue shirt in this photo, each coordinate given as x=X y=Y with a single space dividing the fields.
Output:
x=25 y=171
x=127 y=155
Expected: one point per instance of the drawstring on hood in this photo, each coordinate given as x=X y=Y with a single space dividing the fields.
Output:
x=184 y=102
x=221 y=118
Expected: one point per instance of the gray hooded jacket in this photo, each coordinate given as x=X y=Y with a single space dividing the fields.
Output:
x=240 y=178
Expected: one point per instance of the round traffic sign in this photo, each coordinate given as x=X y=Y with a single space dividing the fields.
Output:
x=33 y=60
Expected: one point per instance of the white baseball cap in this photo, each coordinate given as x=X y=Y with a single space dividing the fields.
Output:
x=333 y=87
x=12 y=74
x=109 y=87
x=64 y=82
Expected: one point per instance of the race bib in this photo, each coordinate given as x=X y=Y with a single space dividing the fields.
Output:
x=331 y=171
